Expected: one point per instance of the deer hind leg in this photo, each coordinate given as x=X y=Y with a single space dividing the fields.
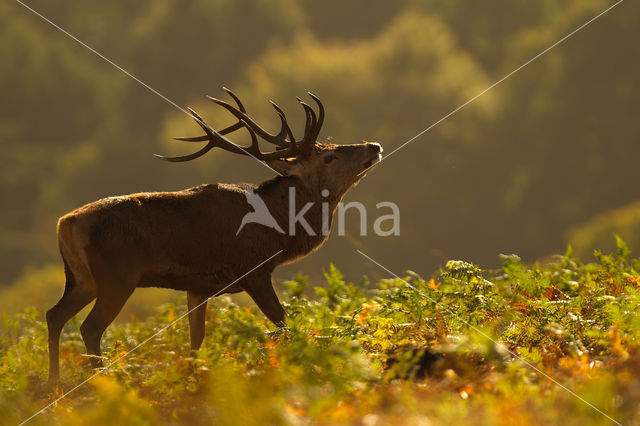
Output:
x=78 y=293
x=197 y=306
x=105 y=310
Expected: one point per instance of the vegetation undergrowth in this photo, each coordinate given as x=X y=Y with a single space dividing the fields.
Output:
x=454 y=348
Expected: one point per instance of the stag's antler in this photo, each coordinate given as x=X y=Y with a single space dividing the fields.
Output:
x=313 y=124
x=287 y=146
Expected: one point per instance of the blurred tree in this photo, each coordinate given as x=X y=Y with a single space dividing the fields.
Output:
x=337 y=20
x=550 y=147
x=74 y=129
x=598 y=232
x=486 y=28
x=567 y=137
x=505 y=174
x=43 y=82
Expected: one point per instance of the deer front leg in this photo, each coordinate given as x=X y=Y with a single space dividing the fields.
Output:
x=197 y=307
x=105 y=310
x=262 y=293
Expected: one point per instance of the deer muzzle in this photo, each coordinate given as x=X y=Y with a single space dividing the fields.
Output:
x=376 y=150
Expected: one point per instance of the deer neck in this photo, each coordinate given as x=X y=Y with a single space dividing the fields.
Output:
x=288 y=196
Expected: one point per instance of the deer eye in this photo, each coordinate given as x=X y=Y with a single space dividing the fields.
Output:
x=329 y=158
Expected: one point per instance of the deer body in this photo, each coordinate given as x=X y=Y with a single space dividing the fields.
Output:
x=187 y=240
x=195 y=240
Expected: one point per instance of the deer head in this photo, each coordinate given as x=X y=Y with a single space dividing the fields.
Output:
x=318 y=165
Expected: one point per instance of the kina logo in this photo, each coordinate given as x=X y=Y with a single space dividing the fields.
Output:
x=260 y=213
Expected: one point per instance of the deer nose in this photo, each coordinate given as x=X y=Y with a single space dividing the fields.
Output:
x=375 y=147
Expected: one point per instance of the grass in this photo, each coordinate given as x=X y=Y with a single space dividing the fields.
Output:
x=362 y=353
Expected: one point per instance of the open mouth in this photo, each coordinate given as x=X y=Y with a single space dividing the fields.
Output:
x=371 y=162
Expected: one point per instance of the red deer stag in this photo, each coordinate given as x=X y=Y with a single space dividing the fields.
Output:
x=196 y=239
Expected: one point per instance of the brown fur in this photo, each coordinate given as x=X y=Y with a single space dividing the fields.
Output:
x=186 y=240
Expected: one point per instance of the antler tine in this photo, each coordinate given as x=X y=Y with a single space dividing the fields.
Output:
x=214 y=141
x=307 y=116
x=189 y=157
x=278 y=139
x=196 y=154
x=254 y=149
x=320 y=116
x=191 y=138
x=283 y=119
x=308 y=140
x=224 y=131
x=235 y=98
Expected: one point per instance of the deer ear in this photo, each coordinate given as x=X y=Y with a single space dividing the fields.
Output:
x=286 y=167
